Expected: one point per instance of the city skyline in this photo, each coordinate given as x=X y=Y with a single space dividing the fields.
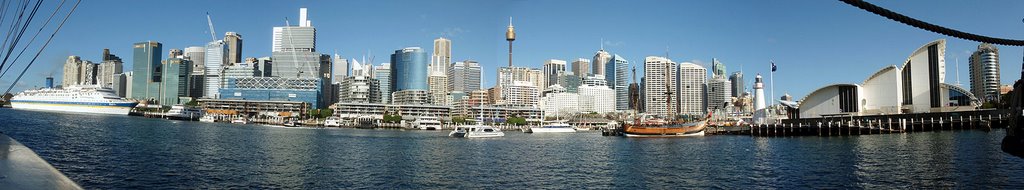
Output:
x=844 y=38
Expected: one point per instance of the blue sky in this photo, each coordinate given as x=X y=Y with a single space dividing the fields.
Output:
x=814 y=43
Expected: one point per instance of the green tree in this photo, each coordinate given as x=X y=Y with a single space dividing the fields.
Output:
x=392 y=118
x=324 y=113
x=516 y=121
x=458 y=119
x=192 y=103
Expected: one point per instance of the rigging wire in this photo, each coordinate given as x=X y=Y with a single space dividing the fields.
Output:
x=15 y=61
x=21 y=33
x=929 y=26
x=15 y=21
x=48 y=40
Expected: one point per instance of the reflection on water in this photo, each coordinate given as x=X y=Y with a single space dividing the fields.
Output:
x=106 y=152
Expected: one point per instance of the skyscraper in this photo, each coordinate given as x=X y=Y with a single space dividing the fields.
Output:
x=409 y=69
x=719 y=94
x=174 y=81
x=442 y=55
x=600 y=61
x=660 y=85
x=146 y=70
x=616 y=73
x=552 y=69
x=736 y=78
x=581 y=67
x=383 y=75
x=294 y=50
x=340 y=69
x=78 y=72
x=510 y=35
x=215 y=62
x=691 y=91
x=984 y=64
x=464 y=76
x=234 y=42
x=106 y=74
x=437 y=76
x=717 y=67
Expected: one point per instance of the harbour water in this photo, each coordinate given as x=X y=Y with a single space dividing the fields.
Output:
x=115 y=152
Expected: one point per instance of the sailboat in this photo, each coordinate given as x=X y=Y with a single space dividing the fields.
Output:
x=478 y=130
x=647 y=125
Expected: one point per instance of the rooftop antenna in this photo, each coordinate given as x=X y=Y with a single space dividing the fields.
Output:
x=209 y=21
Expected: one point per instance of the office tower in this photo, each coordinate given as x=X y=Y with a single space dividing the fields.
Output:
x=557 y=102
x=718 y=68
x=464 y=76
x=600 y=61
x=234 y=43
x=581 y=67
x=175 y=53
x=437 y=84
x=265 y=66
x=570 y=82
x=437 y=77
x=294 y=50
x=107 y=56
x=174 y=81
x=597 y=80
x=736 y=78
x=660 y=85
x=691 y=89
x=508 y=75
x=552 y=69
x=238 y=70
x=408 y=69
x=146 y=70
x=596 y=98
x=383 y=75
x=984 y=64
x=215 y=62
x=616 y=73
x=340 y=68
x=442 y=55
x=197 y=55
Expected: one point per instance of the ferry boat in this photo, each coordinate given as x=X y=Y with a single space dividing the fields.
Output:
x=81 y=99
x=240 y=120
x=181 y=112
x=552 y=128
x=427 y=123
x=332 y=122
x=476 y=131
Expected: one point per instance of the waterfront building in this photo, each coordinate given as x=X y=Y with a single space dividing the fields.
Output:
x=409 y=69
x=146 y=70
x=377 y=111
x=558 y=102
x=552 y=69
x=984 y=69
x=600 y=61
x=616 y=74
x=500 y=114
x=508 y=75
x=736 y=79
x=661 y=85
x=464 y=76
x=174 y=82
x=596 y=98
x=581 y=67
x=120 y=84
x=78 y=72
x=521 y=94
x=412 y=97
x=383 y=75
x=494 y=96
x=232 y=107
x=438 y=85
x=691 y=89
x=273 y=89
x=359 y=89
x=294 y=51
x=238 y=70
x=215 y=62
x=233 y=41
x=916 y=87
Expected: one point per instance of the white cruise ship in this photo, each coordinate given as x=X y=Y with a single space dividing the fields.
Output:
x=85 y=99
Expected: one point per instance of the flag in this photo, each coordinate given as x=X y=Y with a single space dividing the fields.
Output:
x=773 y=66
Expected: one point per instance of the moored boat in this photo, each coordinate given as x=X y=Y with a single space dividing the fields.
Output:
x=476 y=131
x=552 y=128
x=650 y=126
x=208 y=118
x=240 y=120
x=181 y=112
x=427 y=123
x=76 y=98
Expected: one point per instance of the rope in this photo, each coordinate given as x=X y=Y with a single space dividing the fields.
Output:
x=930 y=27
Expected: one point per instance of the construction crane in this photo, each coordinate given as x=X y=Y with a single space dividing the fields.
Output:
x=213 y=36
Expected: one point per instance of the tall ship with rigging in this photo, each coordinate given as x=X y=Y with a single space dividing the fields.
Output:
x=80 y=98
x=647 y=125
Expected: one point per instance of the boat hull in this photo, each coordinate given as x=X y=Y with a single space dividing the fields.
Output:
x=683 y=130
x=98 y=108
x=552 y=130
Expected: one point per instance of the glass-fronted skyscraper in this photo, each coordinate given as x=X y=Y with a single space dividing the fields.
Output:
x=146 y=67
x=616 y=75
x=383 y=75
x=215 y=58
x=174 y=83
x=409 y=69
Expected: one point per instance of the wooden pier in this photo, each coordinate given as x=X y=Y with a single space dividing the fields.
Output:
x=884 y=124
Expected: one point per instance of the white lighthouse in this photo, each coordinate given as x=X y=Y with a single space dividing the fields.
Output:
x=760 y=113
